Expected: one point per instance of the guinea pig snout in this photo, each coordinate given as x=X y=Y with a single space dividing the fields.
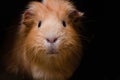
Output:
x=51 y=44
x=51 y=40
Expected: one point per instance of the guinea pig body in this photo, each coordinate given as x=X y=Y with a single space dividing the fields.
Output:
x=48 y=46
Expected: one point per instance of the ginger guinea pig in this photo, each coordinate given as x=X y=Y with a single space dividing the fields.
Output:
x=47 y=46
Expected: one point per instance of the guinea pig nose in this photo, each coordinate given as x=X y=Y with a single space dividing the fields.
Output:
x=51 y=40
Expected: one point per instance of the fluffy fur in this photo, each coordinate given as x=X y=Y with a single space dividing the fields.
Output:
x=33 y=55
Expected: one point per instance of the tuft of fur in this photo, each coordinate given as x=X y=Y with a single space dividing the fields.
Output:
x=31 y=53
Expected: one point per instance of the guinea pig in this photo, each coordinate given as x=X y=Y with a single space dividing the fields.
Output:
x=47 y=44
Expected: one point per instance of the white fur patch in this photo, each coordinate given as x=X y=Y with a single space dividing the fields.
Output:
x=37 y=73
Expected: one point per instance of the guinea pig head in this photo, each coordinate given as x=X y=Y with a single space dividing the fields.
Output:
x=49 y=33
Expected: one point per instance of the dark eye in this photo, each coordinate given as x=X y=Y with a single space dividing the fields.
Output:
x=39 y=24
x=64 y=23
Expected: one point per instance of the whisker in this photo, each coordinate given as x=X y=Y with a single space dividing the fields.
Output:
x=86 y=38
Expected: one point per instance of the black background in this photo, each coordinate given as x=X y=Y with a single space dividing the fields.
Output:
x=11 y=9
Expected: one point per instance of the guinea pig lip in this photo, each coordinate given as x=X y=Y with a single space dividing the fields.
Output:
x=52 y=50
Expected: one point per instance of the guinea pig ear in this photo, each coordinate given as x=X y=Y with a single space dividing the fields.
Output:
x=27 y=14
x=27 y=17
x=75 y=15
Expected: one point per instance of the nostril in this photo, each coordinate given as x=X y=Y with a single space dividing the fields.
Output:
x=55 y=39
x=51 y=40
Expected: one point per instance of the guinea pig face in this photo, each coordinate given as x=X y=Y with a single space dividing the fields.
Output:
x=49 y=31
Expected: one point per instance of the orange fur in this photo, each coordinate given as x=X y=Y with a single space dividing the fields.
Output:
x=31 y=52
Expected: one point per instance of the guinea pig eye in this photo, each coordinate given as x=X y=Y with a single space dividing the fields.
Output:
x=64 y=23
x=39 y=24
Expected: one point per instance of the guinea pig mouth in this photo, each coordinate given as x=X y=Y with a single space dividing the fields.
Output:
x=52 y=50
